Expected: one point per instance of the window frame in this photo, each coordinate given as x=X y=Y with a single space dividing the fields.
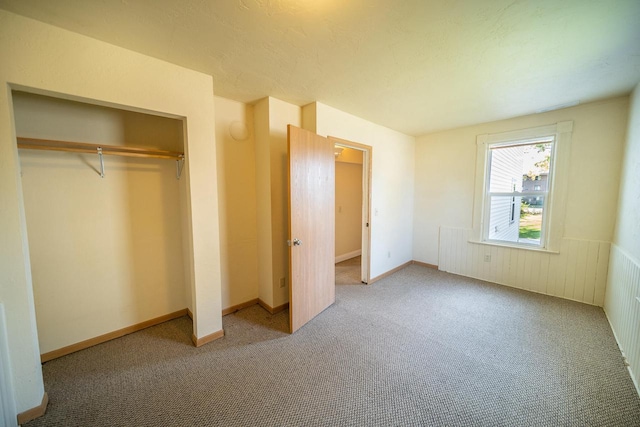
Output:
x=555 y=204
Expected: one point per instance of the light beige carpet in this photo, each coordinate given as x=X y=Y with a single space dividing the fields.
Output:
x=348 y=272
x=418 y=348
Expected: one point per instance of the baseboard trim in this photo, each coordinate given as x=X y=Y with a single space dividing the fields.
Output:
x=273 y=310
x=239 y=307
x=190 y=314
x=33 y=413
x=198 y=342
x=348 y=255
x=390 y=272
x=45 y=357
x=424 y=264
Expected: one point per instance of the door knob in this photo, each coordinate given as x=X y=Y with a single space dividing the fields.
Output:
x=296 y=242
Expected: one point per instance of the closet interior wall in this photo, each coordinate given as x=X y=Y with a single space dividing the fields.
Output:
x=348 y=204
x=106 y=253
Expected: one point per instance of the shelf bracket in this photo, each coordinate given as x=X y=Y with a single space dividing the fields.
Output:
x=101 y=162
x=179 y=166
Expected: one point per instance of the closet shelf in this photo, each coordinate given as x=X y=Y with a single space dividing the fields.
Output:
x=83 y=147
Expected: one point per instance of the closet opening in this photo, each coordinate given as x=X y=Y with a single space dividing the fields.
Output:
x=105 y=201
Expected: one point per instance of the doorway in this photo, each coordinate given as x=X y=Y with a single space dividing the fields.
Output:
x=311 y=238
x=353 y=200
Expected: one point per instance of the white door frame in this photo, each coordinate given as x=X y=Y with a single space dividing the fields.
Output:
x=367 y=152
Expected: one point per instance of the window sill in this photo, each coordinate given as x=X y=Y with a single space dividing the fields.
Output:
x=523 y=247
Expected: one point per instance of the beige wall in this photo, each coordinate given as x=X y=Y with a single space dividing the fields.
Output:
x=392 y=186
x=237 y=200
x=281 y=114
x=445 y=172
x=47 y=59
x=105 y=253
x=263 y=200
x=348 y=207
x=271 y=119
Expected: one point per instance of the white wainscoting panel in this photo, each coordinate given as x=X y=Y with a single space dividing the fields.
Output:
x=8 y=414
x=622 y=305
x=578 y=272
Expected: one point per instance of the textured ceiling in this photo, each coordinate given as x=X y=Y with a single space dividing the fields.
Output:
x=415 y=66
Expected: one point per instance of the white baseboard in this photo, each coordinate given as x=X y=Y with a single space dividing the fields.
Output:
x=348 y=255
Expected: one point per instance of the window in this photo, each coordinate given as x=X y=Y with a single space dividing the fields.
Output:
x=512 y=166
x=521 y=187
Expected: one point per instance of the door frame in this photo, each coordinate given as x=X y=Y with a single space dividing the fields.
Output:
x=367 y=161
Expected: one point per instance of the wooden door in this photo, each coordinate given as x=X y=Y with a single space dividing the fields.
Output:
x=311 y=225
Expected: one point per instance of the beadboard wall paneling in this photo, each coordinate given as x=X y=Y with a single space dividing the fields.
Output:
x=578 y=272
x=7 y=400
x=622 y=305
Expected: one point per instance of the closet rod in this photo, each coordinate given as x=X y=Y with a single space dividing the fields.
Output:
x=83 y=147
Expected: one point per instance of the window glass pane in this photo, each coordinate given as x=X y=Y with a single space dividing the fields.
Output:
x=516 y=219
x=520 y=168
x=506 y=169
x=530 y=225
x=504 y=218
